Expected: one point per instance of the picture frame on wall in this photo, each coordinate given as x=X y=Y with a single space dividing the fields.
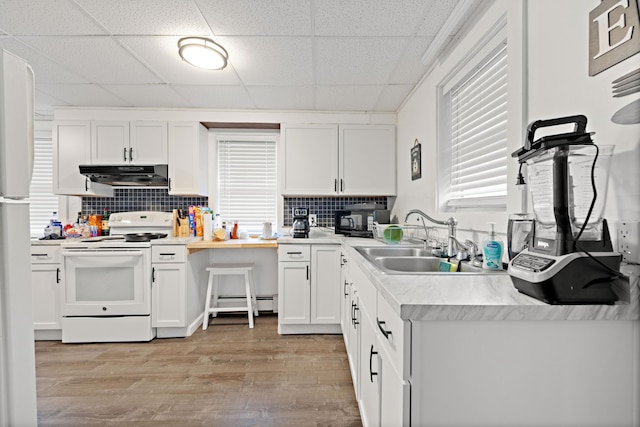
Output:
x=416 y=160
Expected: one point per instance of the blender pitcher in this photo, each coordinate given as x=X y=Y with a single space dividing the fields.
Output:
x=566 y=205
x=570 y=258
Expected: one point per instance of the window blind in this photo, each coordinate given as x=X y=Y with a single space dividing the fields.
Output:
x=42 y=201
x=247 y=181
x=478 y=174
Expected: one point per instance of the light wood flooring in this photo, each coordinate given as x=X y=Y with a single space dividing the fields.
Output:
x=229 y=375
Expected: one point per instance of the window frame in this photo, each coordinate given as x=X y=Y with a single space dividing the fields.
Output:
x=42 y=201
x=492 y=42
x=239 y=136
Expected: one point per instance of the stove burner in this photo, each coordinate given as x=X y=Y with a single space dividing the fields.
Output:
x=143 y=237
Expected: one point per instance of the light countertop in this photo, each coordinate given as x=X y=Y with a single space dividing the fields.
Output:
x=199 y=245
x=488 y=296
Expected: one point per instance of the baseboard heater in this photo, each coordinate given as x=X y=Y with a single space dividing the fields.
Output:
x=265 y=303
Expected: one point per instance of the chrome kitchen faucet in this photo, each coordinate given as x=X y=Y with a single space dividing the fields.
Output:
x=451 y=223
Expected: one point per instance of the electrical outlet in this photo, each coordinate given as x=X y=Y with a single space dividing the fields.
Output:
x=629 y=241
x=313 y=220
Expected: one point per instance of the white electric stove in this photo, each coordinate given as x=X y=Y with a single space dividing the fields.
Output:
x=107 y=280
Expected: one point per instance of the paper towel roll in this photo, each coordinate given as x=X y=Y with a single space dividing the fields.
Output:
x=207 y=222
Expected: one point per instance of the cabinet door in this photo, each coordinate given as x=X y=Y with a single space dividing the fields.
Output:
x=325 y=284
x=71 y=148
x=367 y=160
x=188 y=161
x=394 y=395
x=370 y=372
x=294 y=293
x=353 y=348
x=110 y=142
x=168 y=296
x=310 y=156
x=47 y=293
x=344 y=298
x=148 y=143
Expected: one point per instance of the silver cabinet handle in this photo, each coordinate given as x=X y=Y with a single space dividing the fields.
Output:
x=124 y=154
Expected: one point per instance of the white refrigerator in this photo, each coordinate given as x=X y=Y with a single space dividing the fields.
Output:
x=17 y=351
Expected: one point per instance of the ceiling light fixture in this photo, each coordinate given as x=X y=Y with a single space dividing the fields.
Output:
x=202 y=53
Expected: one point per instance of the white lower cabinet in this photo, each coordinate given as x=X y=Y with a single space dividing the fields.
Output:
x=377 y=342
x=370 y=372
x=488 y=373
x=47 y=290
x=168 y=288
x=308 y=288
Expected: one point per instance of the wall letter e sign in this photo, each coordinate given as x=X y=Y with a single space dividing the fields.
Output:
x=613 y=33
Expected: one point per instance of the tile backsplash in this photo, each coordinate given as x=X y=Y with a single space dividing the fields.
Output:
x=158 y=199
x=140 y=199
x=324 y=207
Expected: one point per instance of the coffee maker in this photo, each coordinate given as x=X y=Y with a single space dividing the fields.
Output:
x=570 y=257
x=300 y=222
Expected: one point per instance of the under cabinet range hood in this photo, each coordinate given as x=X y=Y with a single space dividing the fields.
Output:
x=127 y=175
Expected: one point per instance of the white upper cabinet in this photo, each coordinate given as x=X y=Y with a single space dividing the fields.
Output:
x=329 y=160
x=124 y=142
x=310 y=156
x=71 y=148
x=148 y=143
x=367 y=160
x=188 y=167
x=109 y=142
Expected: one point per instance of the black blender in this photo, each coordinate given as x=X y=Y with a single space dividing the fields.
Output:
x=570 y=258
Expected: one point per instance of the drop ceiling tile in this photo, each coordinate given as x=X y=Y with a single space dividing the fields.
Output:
x=368 y=17
x=357 y=60
x=46 y=103
x=279 y=61
x=437 y=14
x=160 y=53
x=156 y=95
x=392 y=97
x=46 y=17
x=45 y=70
x=250 y=17
x=147 y=17
x=282 y=97
x=83 y=95
x=232 y=97
x=347 y=98
x=98 y=59
x=410 y=68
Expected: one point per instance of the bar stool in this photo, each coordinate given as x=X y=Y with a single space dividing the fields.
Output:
x=217 y=270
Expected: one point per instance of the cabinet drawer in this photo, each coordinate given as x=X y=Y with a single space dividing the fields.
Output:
x=168 y=253
x=41 y=254
x=294 y=253
x=393 y=334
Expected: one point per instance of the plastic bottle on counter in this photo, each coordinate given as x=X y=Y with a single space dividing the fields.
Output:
x=105 y=222
x=492 y=250
x=55 y=224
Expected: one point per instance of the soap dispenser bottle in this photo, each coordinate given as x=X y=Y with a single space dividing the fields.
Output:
x=492 y=250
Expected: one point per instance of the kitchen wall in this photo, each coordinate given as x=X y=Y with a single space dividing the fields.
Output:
x=325 y=207
x=556 y=83
x=140 y=199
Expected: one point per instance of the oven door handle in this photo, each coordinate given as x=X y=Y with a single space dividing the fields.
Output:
x=101 y=254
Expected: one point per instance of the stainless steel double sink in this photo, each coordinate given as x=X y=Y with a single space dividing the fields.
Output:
x=412 y=260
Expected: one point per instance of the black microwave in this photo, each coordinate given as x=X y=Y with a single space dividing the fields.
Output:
x=359 y=222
